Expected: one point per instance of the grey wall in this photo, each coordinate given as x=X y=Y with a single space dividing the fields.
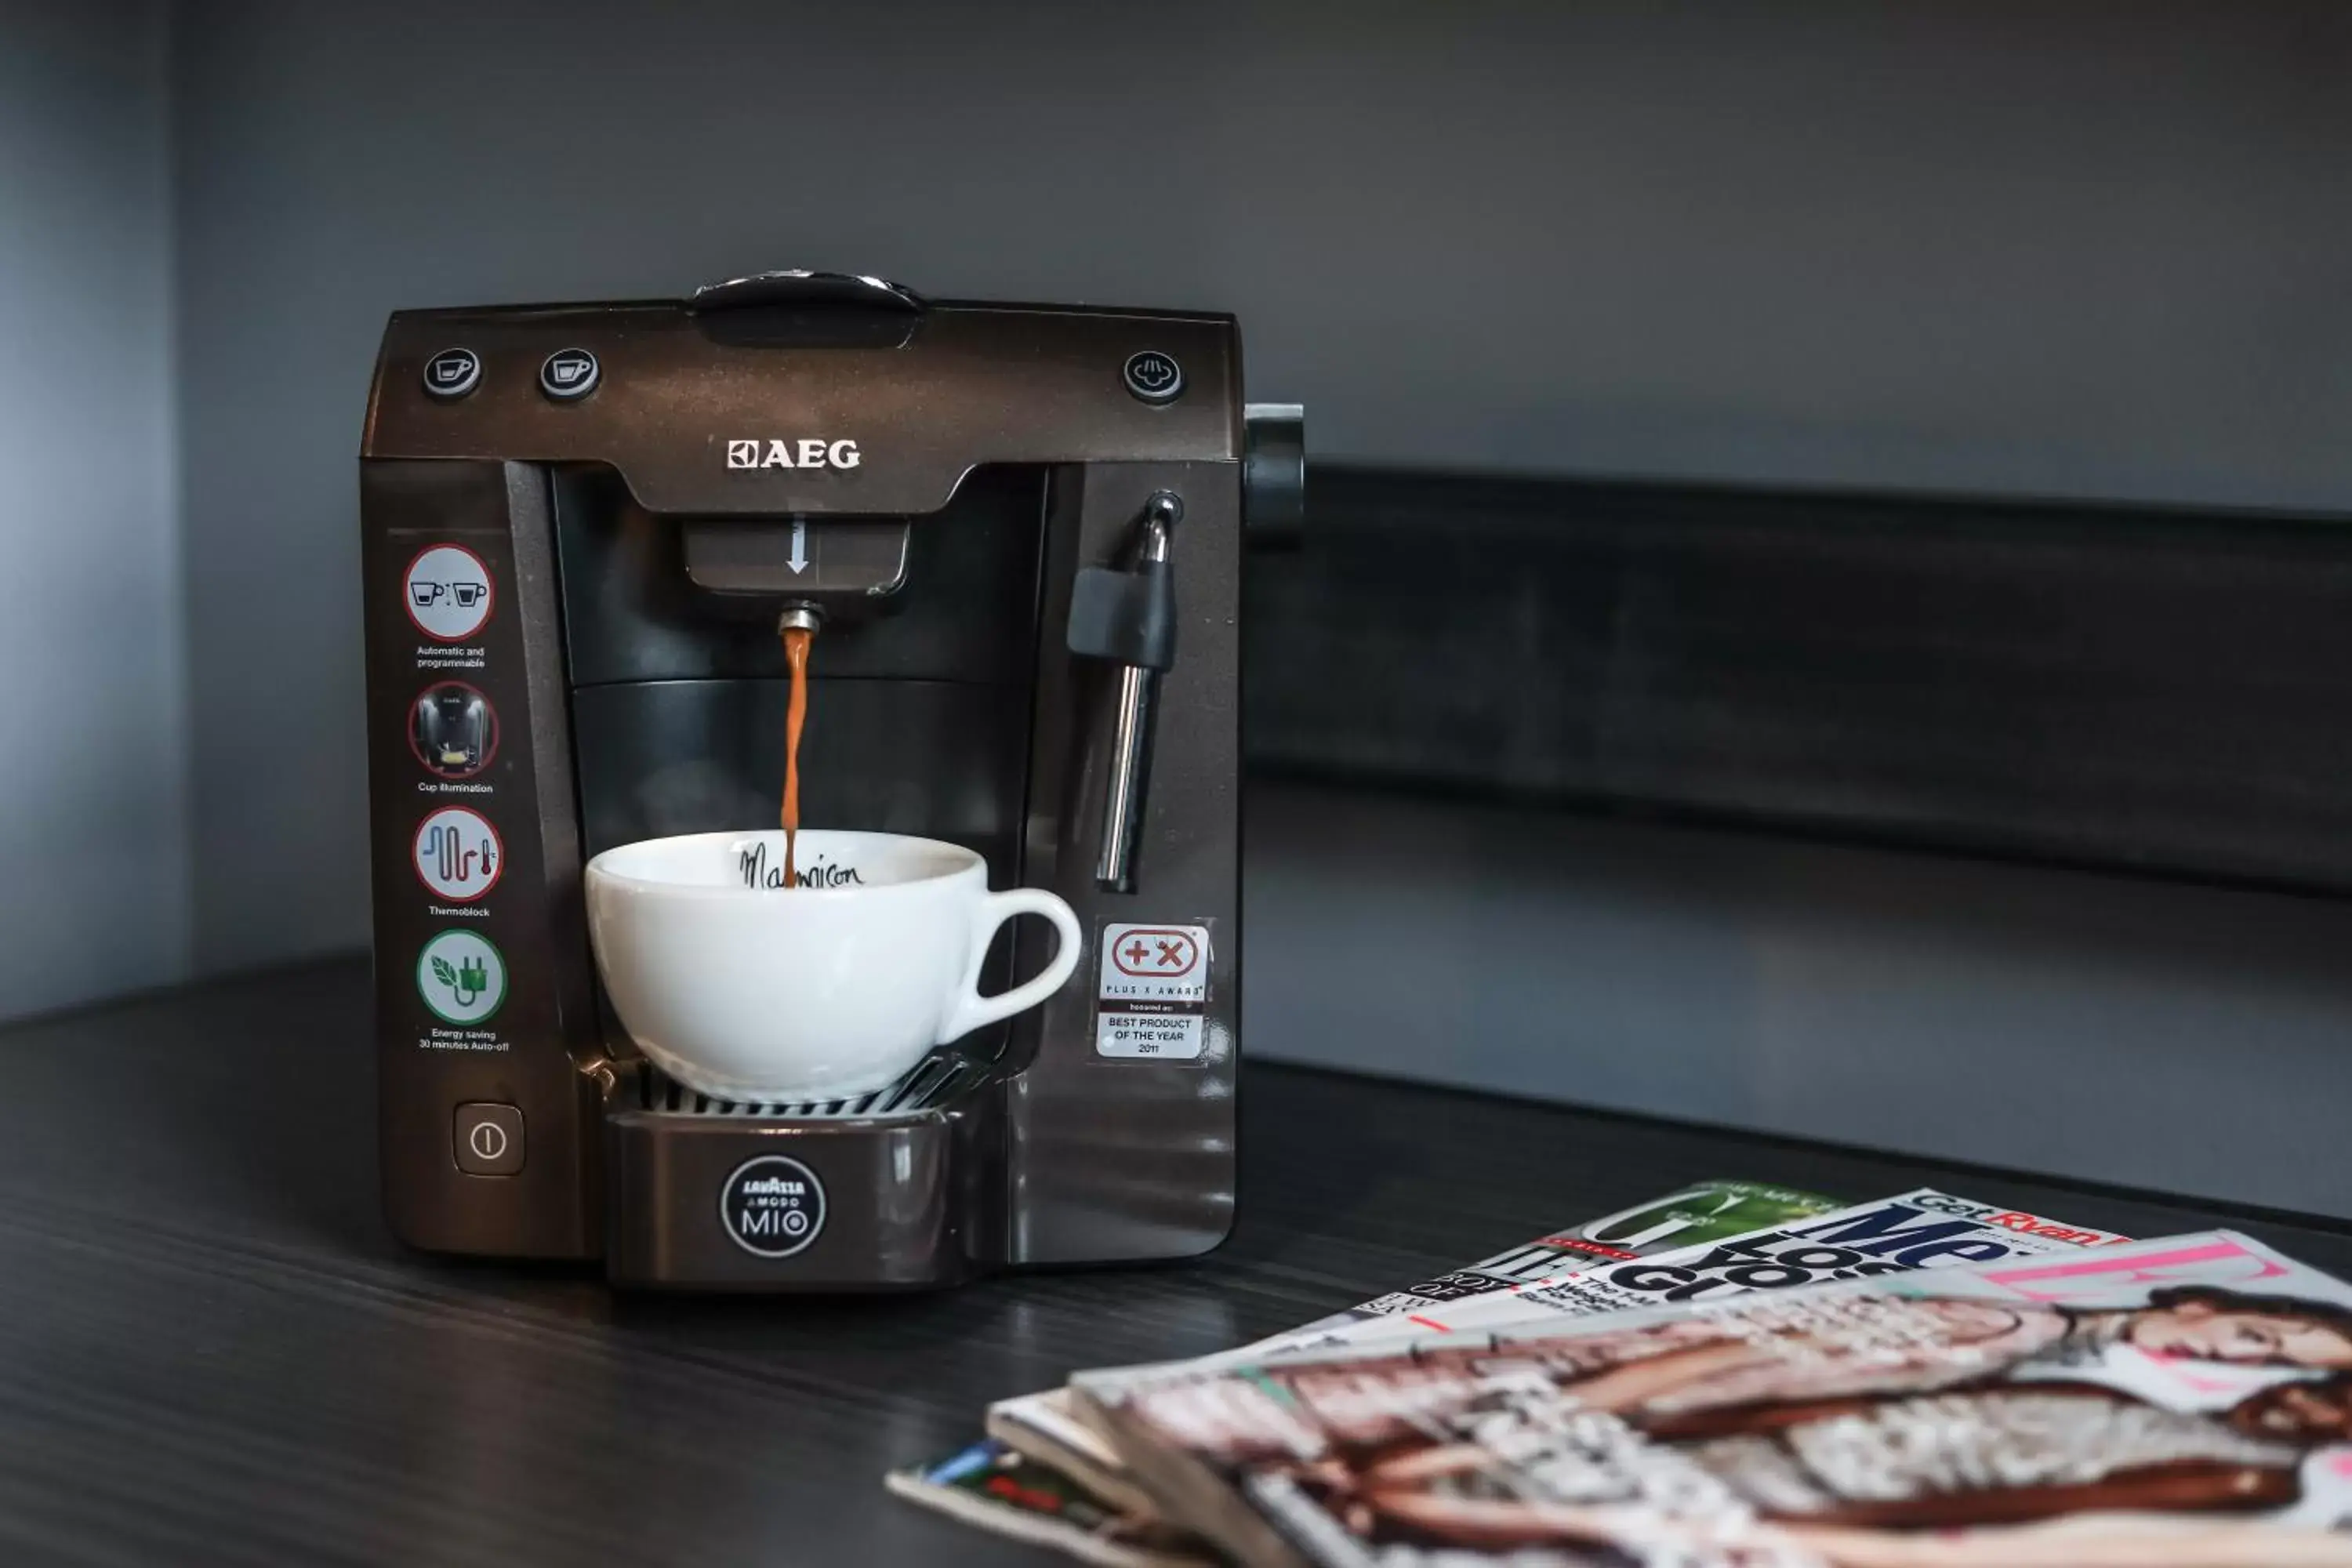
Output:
x=93 y=826
x=2185 y=1038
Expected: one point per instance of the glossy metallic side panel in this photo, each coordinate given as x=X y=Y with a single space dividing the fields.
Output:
x=1118 y=1159
x=523 y=1054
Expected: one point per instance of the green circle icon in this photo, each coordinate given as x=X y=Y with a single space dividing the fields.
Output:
x=462 y=978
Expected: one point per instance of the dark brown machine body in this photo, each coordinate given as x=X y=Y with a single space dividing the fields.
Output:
x=939 y=480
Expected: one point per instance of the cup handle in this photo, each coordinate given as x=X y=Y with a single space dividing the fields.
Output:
x=973 y=1010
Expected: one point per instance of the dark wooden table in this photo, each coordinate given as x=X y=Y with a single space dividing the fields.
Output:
x=210 y=1350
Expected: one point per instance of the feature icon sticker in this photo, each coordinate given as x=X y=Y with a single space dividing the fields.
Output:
x=1153 y=995
x=462 y=978
x=447 y=593
x=458 y=854
x=453 y=729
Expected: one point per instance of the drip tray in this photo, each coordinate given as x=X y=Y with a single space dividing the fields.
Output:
x=900 y=1189
x=936 y=1080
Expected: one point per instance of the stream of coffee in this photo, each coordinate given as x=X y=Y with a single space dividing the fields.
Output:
x=796 y=655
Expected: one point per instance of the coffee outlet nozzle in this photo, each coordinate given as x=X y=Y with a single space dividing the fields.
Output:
x=848 y=567
x=585 y=531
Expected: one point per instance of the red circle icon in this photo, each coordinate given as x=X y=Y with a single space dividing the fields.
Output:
x=453 y=729
x=458 y=855
x=447 y=591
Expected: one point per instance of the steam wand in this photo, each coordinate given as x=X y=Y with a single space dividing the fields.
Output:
x=1129 y=618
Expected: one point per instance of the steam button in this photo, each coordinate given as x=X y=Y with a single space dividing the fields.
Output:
x=1154 y=377
x=569 y=374
x=452 y=373
x=487 y=1139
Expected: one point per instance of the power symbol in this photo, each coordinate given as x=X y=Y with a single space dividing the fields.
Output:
x=488 y=1138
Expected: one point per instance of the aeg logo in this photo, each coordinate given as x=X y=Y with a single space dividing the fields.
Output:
x=805 y=453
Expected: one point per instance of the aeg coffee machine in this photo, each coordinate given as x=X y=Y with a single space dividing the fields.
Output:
x=1019 y=529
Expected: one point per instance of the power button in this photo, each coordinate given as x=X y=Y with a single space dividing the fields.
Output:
x=487 y=1139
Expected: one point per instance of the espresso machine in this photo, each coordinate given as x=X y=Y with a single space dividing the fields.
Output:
x=1018 y=531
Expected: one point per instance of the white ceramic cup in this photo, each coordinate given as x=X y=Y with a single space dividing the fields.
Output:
x=747 y=990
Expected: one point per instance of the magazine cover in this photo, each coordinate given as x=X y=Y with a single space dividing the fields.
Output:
x=1043 y=1426
x=1706 y=1211
x=2186 y=1401
x=994 y=1486
x=1919 y=1229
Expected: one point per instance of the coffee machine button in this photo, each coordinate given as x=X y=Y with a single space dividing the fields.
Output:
x=452 y=373
x=569 y=374
x=487 y=1138
x=1154 y=377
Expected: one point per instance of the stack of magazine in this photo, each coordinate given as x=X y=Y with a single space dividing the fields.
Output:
x=1734 y=1376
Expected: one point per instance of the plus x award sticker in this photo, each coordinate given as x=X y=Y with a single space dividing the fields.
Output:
x=1153 y=997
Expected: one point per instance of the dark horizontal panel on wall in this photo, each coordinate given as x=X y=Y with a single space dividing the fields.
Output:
x=2167 y=691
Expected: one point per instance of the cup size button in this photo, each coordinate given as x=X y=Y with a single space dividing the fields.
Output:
x=452 y=373
x=569 y=374
x=487 y=1137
